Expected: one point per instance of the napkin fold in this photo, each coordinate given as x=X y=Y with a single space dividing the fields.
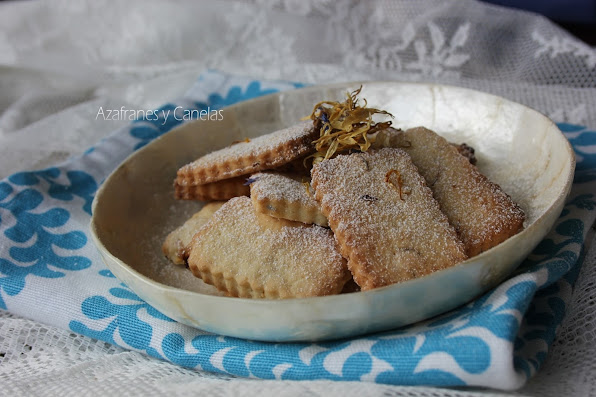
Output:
x=51 y=272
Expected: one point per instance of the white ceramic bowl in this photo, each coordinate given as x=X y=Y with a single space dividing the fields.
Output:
x=516 y=147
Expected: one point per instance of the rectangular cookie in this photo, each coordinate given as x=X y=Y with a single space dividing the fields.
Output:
x=285 y=196
x=384 y=217
x=252 y=255
x=241 y=158
x=391 y=137
x=481 y=212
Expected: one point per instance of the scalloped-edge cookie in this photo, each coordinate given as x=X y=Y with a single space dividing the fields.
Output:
x=252 y=255
x=285 y=196
x=218 y=190
x=175 y=245
x=242 y=158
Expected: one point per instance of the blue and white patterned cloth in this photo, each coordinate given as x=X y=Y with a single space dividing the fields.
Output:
x=51 y=272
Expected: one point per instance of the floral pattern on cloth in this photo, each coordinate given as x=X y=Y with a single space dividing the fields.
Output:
x=557 y=45
x=50 y=271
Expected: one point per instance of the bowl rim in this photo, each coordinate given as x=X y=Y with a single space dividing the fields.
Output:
x=163 y=288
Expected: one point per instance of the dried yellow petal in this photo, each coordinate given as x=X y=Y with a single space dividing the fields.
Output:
x=344 y=126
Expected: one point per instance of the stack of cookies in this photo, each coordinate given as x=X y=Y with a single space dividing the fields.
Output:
x=408 y=205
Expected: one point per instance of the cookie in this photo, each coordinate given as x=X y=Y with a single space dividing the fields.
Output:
x=249 y=156
x=481 y=212
x=176 y=243
x=391 y=137
x=286 y=196
x=384 y=217
x=218 y=190
x=252 y=255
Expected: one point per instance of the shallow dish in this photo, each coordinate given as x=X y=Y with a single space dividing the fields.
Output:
x=516 y=147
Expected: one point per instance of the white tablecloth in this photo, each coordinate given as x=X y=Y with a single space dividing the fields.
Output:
x=60 y=62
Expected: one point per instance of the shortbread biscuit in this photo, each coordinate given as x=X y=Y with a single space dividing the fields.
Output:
x=482 y=214
x=384 y=217
x=285 y=196
x=218 y=190
x=176 y=243
x=261 y=153
x=391 y=137
x=252 y=255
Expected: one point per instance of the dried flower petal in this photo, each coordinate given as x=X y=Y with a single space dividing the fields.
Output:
x=399 y=185
x=344 y=126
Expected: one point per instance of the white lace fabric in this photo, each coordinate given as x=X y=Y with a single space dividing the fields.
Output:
x=61 y=61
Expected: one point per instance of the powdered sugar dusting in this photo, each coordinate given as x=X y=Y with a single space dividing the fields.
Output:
x=175 y=244
x=282 y=187
x=266 y=151
x=481 y=212
x=287 y=196
x=386 y=238
x=272 y=257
